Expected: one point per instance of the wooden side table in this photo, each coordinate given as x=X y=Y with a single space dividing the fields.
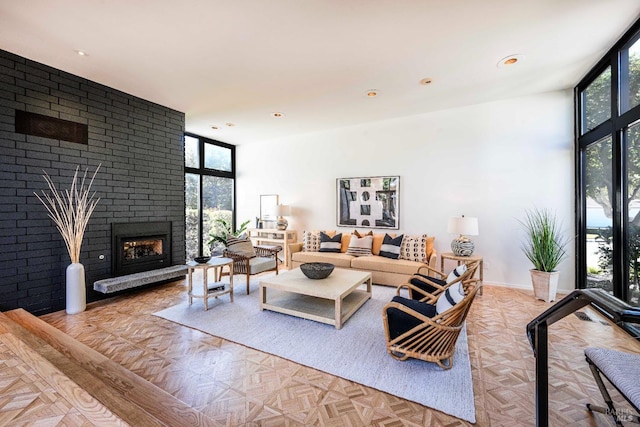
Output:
x=460 y=260
x=214 y=289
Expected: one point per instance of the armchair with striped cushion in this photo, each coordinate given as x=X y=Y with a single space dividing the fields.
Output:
x=249 y=259
x=428 y=331
x=428 y=283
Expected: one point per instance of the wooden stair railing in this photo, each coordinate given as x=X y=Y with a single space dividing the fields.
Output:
x=132 y=398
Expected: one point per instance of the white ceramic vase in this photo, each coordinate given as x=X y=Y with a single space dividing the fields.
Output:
x=76 y=291
x=545 y=284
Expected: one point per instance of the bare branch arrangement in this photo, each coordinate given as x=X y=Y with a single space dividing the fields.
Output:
x=70 y=210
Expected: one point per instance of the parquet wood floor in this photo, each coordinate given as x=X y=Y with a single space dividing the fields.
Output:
x=235 y=385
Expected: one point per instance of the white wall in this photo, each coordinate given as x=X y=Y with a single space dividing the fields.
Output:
x=491 y=161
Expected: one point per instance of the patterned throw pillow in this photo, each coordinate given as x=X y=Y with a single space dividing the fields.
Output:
x=360 y=246
x=311 y=241
x=330 y=244
x=359 y=234
x=240 y=246
x=456 y=272
x=450 y=297
x=391 y=246
x=414 y=248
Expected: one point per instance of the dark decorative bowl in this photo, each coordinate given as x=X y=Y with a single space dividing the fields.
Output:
x=317 y=270
x=202 y=259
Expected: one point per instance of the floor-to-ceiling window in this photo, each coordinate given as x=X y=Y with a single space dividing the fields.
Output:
x=608 y=172
x=209 y=190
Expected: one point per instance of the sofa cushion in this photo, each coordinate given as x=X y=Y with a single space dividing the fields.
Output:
x=456 y=272
x=400 y=322
x=330 y=244
x=346 y=239
x=378 y=263
x=391 y=246
x=360 y=246
x=425 y=286
x=340 y=260
x=453 y=295
x=430 y=245
x=260 y=264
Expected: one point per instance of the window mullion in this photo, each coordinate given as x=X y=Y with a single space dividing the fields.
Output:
x=619 y=248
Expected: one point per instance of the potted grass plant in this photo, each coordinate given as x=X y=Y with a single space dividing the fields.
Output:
x=70 y=210
x=545 y=246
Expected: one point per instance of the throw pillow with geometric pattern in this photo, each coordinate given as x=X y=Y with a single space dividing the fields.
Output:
x=391 y=246
x=310 y=241
x=330 y=244
x=414 y=248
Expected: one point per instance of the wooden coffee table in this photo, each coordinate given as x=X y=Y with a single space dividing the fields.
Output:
x=332 y=300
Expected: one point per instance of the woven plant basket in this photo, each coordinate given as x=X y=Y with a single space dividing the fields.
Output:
x=545 y=284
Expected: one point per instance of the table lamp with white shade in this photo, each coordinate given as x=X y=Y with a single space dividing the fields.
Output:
x=463 y=226
x=281 y=212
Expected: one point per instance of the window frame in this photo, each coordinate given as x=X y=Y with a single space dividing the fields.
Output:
x=202 y=171
x=615 y=126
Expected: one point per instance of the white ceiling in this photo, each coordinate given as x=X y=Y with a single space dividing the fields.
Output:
x=238 y=61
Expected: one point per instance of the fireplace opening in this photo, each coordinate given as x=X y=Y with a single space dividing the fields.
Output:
x=140 y=247
x=136 y=249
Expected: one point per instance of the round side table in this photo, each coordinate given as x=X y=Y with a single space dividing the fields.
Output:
x=214 y=289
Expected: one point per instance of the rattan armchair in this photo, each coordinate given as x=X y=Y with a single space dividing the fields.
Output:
x=428 y=283
x=266 y=259
x=413 y=329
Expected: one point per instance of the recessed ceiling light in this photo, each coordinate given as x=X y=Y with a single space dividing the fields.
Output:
x=215 y=127
x=372 y=93
x=510 y=60
x=230 y=124
x=81 y=52
x=426 y=81
x=277 y=115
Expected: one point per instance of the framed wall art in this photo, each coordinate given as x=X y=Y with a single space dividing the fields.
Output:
x=268 y=203
x=368 y=202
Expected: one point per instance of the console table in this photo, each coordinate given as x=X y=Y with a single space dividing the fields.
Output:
x=284 y=238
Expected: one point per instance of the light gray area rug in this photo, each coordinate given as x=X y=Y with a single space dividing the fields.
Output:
x=356 y=352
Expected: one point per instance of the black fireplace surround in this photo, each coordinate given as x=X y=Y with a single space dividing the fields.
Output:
x=140 y=246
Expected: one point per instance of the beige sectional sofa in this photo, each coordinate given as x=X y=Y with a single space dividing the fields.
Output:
x=384 y=271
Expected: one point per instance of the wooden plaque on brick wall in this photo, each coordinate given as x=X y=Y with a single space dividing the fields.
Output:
x=51 y=127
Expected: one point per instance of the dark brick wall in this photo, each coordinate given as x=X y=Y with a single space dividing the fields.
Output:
x=140 y=147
